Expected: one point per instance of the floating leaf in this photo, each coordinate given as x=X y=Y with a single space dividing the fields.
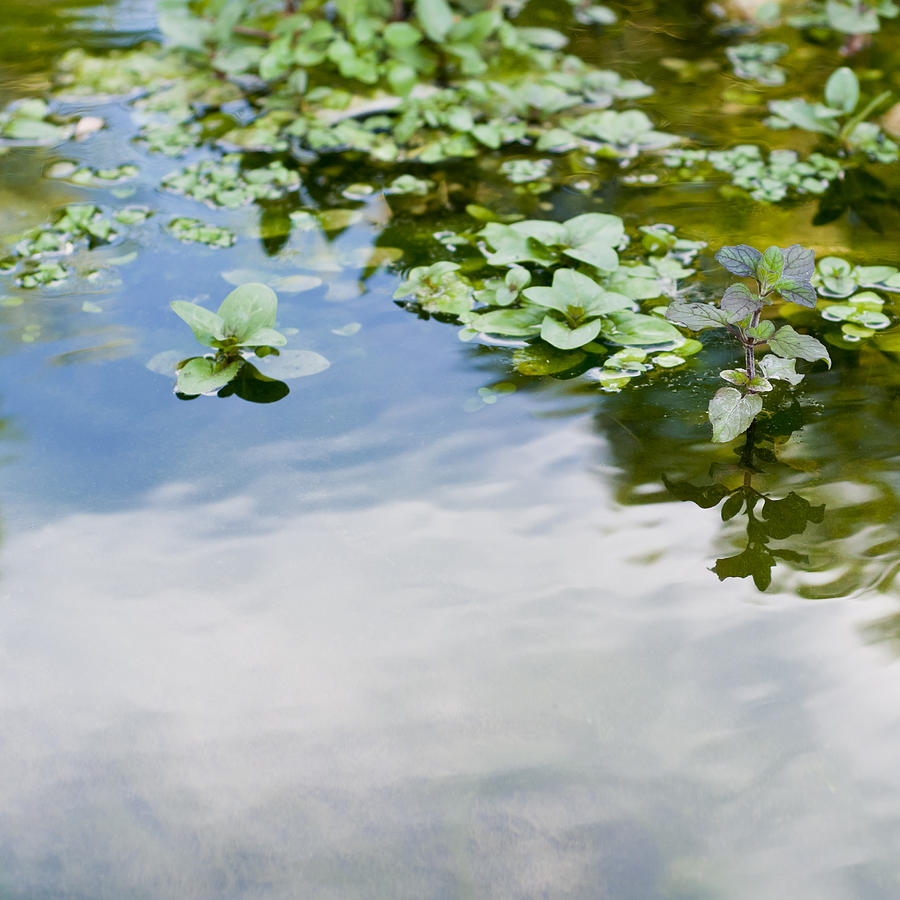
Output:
x=543 y=360
x=293 y=364
x=636 y=329
x=204 y=375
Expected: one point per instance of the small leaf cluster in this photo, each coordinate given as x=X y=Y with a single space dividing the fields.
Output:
x=223 y=183
x=756 y=62
x=88 y=176
x=76 y=226
x=30 y=122
x=243 y=326
x=436 y=83
x=836 y=277
x=561 y=293
x=767 y=180
x=839 y=117
x=777 y=272
x=853 y=17
x=195 y=231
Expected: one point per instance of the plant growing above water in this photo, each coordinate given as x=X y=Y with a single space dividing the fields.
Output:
x=242 y=326
x=838 y=117
x=777 y=272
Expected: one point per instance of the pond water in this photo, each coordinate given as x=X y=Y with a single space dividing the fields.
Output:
x=402 y=634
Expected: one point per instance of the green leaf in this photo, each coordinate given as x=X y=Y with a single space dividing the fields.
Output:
x=561 y=335
x=519 y=243
x=735 y=376
x=263 y=337
x=292 y=364
x=769 y=269
x=435 y=17
x=543 y=360
x=740 y=260
x=762 y=331
x=630 y=329
x=592 y=238
x=206 y=325
x=739 y=303
x=401 y=35
x=842 y=90
x=776 y=367
x=697 y=316
x=507 y=322
x=789 y=344
x=576 y=296
x=799 y=263
x=706 y=496
x=731 y=412
x=204 y=375
x=799 y=292
x=247 y=309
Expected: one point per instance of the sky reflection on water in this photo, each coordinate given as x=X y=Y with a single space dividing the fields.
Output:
x=478 y=688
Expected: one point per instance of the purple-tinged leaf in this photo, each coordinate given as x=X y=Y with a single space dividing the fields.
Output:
x=800 y=292
x=799 y=263
x=739 y=303
x=740 y=260
x=697 y=316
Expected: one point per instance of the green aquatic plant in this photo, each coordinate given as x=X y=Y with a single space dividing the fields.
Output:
x=223 y=182
x=243 y=326
x=31 y=122
x=858 y=19
x=560 y=295
x=784 y=273
x=839 y=117
x=195 y=231
x=429 y=80
x=767 y=179
x=87 y=176
x=756 y=62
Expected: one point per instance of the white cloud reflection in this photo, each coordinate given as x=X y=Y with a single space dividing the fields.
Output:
x=478 y=688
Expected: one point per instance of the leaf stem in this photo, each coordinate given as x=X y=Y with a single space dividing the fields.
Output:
x=749 y=347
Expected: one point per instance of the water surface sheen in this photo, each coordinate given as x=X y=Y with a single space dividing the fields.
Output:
x=385 y=639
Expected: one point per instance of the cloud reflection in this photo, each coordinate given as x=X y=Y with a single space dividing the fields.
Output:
x=502 y=684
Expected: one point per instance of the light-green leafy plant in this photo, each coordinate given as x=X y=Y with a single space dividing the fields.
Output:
x=776 y=272
x=243 y=325
x=840 y=117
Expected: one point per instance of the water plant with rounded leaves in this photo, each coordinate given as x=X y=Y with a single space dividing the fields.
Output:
x=242 y=327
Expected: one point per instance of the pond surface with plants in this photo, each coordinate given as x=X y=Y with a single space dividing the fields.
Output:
x=450 y=449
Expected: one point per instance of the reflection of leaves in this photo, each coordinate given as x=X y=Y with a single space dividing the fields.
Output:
x=705 y=496
x=859 y=193
x=756 y=562
x=250 y=384
x=790 y=515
